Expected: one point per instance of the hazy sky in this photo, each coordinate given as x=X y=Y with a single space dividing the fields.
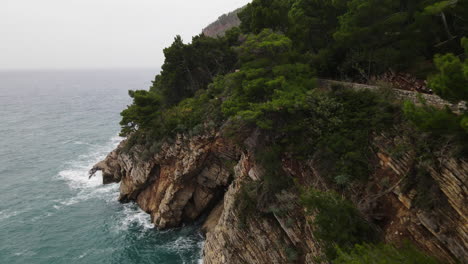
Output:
x=44 y=34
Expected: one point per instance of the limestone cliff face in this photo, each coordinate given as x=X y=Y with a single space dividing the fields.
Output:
x=271 y=237
x=442 y=231
x=206 y=174
x=176 y=185
x=282 y=236
x=222 y=24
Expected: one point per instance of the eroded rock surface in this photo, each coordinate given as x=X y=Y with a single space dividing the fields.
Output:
x=178 y=183
x=205 y=174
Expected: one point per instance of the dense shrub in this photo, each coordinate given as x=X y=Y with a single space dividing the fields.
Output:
x=443 y=125
x=336 y=221
x=361 y=38
x=274 y=178
x=247 y=202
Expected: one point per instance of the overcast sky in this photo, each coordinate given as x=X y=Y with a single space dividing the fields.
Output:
x=64 y=34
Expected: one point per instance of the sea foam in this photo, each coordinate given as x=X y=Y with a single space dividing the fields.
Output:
x=76 y=174
x=77 y=178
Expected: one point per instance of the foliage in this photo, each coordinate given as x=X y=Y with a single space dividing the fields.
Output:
x=292 y=254
x=451 y=81
x=346 y=147
x=442 y=124
x=428 y=151
x=274 y=178
x=313 y=22
x=428 y=193
x=267 y=80
x=361 y=38
x=383 y=254
x=262 y=75
x=141 y=112
x=261 y=14
x=335 y=129
x=188 y=68
x=337 y=222
x=247 y=202
x=437 y=121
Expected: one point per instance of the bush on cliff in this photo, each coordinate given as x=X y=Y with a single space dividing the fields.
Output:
x=337 y=223
x=442 y=125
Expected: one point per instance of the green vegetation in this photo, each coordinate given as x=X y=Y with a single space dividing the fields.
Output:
x=357 y=39
x=452 y=77
x=383 y=254
x=262 y=76
x=443 y=131
x=442 y=125
x=247 y=202
x=274 y=178
x=338 y=223
x=188 y=68
x=284 y=43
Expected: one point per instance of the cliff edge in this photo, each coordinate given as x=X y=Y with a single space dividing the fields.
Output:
x=209 y=174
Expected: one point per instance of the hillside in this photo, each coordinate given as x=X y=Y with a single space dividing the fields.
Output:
x=223 y=24
x=290 y=167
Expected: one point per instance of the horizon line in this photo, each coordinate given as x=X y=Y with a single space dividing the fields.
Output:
x=81 y=68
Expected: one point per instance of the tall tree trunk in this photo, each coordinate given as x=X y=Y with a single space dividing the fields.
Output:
x=446 y=27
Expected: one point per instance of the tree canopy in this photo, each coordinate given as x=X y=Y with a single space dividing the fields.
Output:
x=262 y=75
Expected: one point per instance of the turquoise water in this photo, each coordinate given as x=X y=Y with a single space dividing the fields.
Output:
x=54 y=126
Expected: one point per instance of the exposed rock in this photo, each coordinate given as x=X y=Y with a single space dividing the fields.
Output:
x=222 y=24
x=110 y=167
x=178 y=183
x=212 y=220
x=442 y=231
x=281 y=235
x=404 y=94
x=205 y=174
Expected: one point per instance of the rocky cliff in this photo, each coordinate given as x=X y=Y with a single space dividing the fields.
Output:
x=207 y=175
x=222 y=24
x=182 y=181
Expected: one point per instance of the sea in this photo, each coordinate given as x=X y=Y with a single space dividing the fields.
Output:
x=54 y=126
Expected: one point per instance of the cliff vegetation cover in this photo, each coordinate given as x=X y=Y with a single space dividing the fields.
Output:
x=263 y=75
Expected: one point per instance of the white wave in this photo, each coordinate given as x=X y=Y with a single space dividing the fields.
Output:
x=82 y=255
x=5 y=214
x=25 y=253
x=109 y=193
x=82 y=143
x=77 y=178
x=201 y=245
x=133 y=216
x=40 y=217
x=182 y=244
x=76 y=175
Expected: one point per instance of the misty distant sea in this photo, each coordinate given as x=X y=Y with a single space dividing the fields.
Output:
x=54 y=125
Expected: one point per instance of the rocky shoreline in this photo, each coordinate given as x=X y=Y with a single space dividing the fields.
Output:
x=204 y=175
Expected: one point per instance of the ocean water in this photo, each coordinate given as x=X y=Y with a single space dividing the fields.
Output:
x=54 y=125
